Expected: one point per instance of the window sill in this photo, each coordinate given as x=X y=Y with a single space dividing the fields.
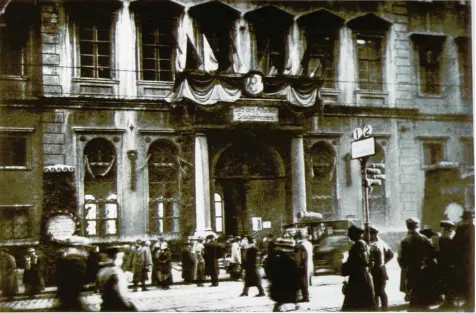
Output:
x=375 y=98
x=14 y=77
x=95 y=86
x=104 y=81
x=15 y=168
x=154 y=89
x=155 y=83
x=429 y=96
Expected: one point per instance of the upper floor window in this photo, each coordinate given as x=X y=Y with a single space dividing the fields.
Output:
x=95 y=45
x=14 y=223
x=429 y=50
x=369 y=37
x=465 y=66
x=270 y=27
x=214 y=22
x=468 y=152
x=15 y=149
x=218 y=201
x=163 y=188
x=101 y=214
x=433 y=152
x=14 y=32
x=157 y=46
x=321 y=33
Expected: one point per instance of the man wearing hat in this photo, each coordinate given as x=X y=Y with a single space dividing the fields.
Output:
x=141 y=263
x=446 y=262
x=113 y=284
x=211 y=254
x=33 y=274
x=380 y=254
x=413 y=250
x=464 y=254
x=301 y=256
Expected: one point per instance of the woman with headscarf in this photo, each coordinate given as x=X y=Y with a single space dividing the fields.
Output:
x=359 y=293
x=164 y=266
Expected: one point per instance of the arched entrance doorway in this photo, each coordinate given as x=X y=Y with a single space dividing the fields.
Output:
x=249 y=186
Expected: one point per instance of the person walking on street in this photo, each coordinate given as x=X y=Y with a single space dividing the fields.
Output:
x=33 y=274
x=380 y=254
x=212 y=254
x=464 y=254
x=359 y=293
x=301 y=258
x=141 y=262
x=310 y=255
x=236 y=262
x=252 y=276
x=199 y=252
x=113 y=284
x=414 y=251
x=446 y=263
x=188 y=263
x=164 y=266
x=8 y=277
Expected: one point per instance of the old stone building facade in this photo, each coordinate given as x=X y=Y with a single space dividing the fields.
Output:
x=179 y=117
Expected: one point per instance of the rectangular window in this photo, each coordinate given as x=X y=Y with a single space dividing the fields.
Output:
x=433 y=153
x=101 y=217
x=12 y=53
x=468 y=153
x=370 y=63
x=15 y=150
x=14 y=223
x=429 y=50
x=321 y=52
x=95 y=45
x=270 y=49
x=465 y=67
x=157 y=48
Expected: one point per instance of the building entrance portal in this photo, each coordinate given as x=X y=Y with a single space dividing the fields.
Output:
x=250 y=181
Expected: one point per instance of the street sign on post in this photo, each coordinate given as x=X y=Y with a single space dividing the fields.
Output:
x=363 y=148
x=367 y=132
x=357 y=133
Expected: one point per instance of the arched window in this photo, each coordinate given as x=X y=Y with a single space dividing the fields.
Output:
x=163 y=188
x=100 y=188
x=218 y=202
x=377 y=197
x=323 y=183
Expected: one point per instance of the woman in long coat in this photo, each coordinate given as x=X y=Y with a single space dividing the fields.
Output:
x=252 y=277
x=359 y=294
x=163 y=266
x=8 y=276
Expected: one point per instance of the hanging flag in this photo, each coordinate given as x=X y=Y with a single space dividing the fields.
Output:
x=210 y=62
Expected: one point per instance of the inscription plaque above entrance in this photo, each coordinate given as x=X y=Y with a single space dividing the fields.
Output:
x=255 y=114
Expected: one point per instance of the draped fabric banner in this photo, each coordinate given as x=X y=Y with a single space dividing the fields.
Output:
x=207 y=88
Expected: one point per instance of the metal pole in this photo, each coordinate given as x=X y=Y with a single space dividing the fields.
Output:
x=365 y=186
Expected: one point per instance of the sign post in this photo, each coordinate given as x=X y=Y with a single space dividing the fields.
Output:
x=362 y=148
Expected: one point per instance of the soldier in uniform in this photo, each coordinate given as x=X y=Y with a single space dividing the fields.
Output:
x=446 y=262
x=381 y=254
x=413 y=250
x=113 y=284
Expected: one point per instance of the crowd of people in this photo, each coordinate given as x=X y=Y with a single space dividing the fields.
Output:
x=435 y=268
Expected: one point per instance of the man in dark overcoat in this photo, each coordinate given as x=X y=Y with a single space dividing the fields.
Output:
x=464 y=254
x=301 y=256
x=188 y=263
x=211 y=255
x=446 y=262
x=33 y=274
x=8 y=277
x=252 y=276
x=141 y=263
x=414 y=250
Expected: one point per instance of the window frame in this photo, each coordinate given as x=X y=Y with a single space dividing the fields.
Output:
x=221 y=216
x=317 y=32
x=17 y=208
x=258 y=33
x=381 y=35
x=432 y=141
x=467 y=142
x=26 y=134
x=465 y=66
x=142 y=19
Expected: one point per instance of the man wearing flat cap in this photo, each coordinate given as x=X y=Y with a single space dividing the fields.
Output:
x=113 y=283
x=446 y=262
x=414 y=249
x=464 y=254
x=380 y=254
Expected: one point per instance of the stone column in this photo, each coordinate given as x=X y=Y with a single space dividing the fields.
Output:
x=202 y=185
x=298 y=177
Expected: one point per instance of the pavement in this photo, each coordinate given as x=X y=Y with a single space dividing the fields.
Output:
x=325 y=294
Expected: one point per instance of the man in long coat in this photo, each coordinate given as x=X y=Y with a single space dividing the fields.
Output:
x=141 y=263
x=212 y=254
x=446 y=262
x=188 y=263
x=464 y=254
x=414 y=250
x=33 y=274
x=252 y=276
x=8 y=278
x=302 y=257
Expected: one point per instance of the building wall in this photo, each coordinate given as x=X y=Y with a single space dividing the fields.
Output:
x=63 y=108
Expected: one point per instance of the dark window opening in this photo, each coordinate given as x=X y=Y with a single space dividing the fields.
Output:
x=13 y=151
x=95 y=45
x=321 y=56
x=14 y=223
x=433 y=153
x=370 y=62
x=465 y=67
